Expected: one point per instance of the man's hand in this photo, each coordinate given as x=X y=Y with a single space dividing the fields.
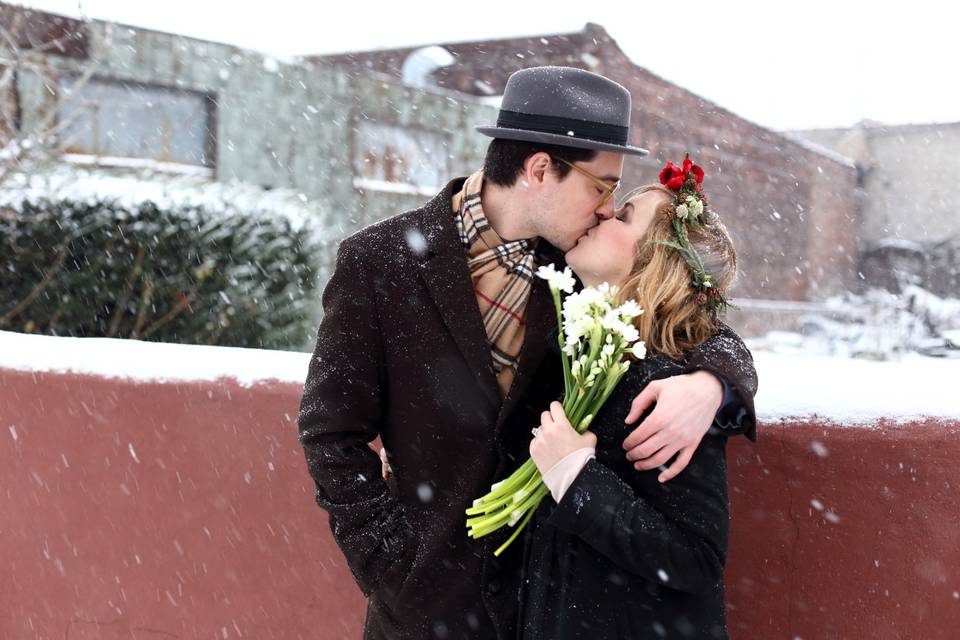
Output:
x=385 y=467
x=686 y=407
x=555 y=438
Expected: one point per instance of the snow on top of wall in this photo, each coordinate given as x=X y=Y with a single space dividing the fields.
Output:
x=837 y=390
x=149 y=361
x=852 y=391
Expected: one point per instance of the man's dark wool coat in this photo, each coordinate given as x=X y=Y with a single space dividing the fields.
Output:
x=402 y=353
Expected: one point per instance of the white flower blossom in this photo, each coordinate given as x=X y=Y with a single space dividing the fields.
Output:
x=697 y=208
x=639 y=350
x=611 y=321
x=682 y=212
x=557 y=280
x=630 y=333
x=629 y=310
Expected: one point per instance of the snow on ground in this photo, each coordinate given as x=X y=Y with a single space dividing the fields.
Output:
x=840 y=390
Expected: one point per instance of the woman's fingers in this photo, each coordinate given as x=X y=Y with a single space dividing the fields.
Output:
x=546 y=419
x=556 y=412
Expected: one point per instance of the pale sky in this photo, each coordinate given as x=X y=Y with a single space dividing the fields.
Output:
x=784 y=66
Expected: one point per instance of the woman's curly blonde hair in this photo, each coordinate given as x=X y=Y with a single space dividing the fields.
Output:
x=675 y=318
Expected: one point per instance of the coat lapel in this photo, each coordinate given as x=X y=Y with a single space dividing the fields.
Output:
x=445 y=272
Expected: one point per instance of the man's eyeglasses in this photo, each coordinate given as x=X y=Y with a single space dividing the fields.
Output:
x=608 y=188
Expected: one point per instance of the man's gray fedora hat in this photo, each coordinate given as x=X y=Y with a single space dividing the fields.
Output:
x=565 y=106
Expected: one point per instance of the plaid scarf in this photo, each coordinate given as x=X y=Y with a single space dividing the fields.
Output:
x=502 y=275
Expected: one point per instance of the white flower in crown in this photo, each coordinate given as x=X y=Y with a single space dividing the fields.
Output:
x=682 y=212
x=697 y=207
x=557 y=280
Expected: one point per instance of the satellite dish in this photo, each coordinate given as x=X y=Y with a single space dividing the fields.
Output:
x=419 y=66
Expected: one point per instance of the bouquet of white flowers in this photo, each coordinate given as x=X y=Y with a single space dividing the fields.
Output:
x=595 y=342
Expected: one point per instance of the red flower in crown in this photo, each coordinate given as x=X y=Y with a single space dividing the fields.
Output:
x=673 y=176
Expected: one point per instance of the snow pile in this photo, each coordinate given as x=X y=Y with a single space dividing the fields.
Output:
x=831 y=389
x=878 y=325
x=129 y=189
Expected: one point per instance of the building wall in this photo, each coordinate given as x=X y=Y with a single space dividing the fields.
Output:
x=909 y=227
x=906 y=170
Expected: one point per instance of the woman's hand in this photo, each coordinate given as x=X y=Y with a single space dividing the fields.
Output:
x=555 y=439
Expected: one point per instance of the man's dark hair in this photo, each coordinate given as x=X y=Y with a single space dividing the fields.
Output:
x=505 y=158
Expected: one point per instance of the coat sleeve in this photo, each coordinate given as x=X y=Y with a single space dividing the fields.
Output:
x=726 y=356
x=675 y=534
x=340 y=414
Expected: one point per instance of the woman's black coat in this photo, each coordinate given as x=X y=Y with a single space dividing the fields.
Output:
x=622 y=555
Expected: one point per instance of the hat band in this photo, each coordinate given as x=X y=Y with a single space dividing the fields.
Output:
x=580 y=129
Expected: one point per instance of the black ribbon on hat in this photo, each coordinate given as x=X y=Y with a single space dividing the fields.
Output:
x=582 y=129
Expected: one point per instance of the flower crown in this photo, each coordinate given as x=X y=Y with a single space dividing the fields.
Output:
x=691 y=212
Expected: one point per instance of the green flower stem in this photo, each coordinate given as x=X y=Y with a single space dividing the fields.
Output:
x=506 y=544
x=564 y=358
x=504 y=502
x=517 y=480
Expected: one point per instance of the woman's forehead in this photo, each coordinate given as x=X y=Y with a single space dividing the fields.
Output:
x=653 y=197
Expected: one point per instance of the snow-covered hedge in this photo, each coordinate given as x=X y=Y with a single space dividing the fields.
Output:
x=84 y=254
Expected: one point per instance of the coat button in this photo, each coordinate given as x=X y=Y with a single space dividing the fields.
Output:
x=493 y=586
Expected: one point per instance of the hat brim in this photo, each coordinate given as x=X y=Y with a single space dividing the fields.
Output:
x=525 y=135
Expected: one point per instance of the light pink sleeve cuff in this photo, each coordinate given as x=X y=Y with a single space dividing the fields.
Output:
x=560 y=476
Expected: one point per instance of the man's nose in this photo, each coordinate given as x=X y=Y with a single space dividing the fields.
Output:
x=606 y=211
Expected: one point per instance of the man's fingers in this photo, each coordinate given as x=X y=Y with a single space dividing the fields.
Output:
x=644 y=431
x=658 y=459
x=642 y=402
x=648 y=447
x=678 y=465
x=384 y=464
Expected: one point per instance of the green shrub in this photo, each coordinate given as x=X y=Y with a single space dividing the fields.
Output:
x=96 y=267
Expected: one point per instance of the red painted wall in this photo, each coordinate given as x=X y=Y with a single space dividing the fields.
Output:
x=155 y=510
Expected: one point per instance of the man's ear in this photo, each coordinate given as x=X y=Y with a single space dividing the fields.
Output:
x=536 y=168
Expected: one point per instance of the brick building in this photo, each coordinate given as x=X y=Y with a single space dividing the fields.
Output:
x=791 y=206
